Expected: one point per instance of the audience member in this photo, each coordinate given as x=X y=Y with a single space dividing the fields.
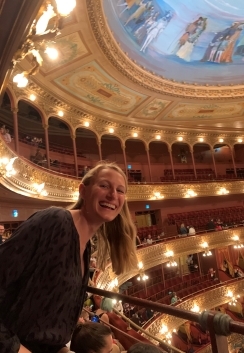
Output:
x=183 y=230
x=135 y=318
x=174 y=298
x=210 y=226
x=149 y=239
x=211 y=274
x=7 y=136
x=149 y=313
x=93 y=337
x=106 y=306
x=143 y=348
x=191 y=230
x=119 y=306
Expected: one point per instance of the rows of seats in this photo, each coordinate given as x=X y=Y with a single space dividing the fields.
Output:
x=143 y=232
x=199 y=219
x=188 y=171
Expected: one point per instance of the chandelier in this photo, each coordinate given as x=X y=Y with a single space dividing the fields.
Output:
x=142 y=276
x=207 y=252
x=171 y=262
x=167 y=335
x=6 y=167
x=40 y=37
x=238 y=244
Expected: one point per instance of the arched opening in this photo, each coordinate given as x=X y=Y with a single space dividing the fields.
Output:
x=87 y=150
x=203 y=161
x=182 y=161
x=160 y=161
x=223 y=160
x=112 y=150
x=137 y=163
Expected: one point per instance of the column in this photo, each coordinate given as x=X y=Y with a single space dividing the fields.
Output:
x=193 y=162
x=16 y=130
x=233 y=159
x=45 y=127
x=125 y=162
x=171 y=161
x=149 y=164
x=214 y=164
x=75 y=155
x=99 y=149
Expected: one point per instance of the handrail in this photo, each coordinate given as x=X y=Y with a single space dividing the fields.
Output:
x=219 y=325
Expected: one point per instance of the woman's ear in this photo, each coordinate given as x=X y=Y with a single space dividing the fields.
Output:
x=82 y=190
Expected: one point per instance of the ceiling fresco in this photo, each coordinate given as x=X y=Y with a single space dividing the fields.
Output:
x=183 y=40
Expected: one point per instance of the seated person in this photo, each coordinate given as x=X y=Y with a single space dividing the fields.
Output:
x=105 y=307
x=144 y=348
x=191 y=230
x=149 y=239
x=211 y=225
x=211 y=273
x=93 y=337
x=174 y=298
x=183 y=230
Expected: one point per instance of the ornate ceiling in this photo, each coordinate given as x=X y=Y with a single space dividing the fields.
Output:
x=163 y=64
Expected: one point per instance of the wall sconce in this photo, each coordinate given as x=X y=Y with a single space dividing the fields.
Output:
x=180 y=138
x=111 y=130
x=158 y=137
x=195 y=308
x=238 y=244
x=114 y=285
x=223 y=191
x=201 y=139
x=233 y=299
x=167 y=336
x=142 y=276
x=39 y=189
x=171 y=262
x=158 y=196
x=135 y=134
x=86 y=124
x=239 y=140
x=190 y=193
x=6 y=167
x=32 y=97
x=207 y=252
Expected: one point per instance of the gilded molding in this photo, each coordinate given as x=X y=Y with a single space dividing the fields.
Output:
x=75 y=118
x=140 y=75
x=155 y=255
x=63 y=188
x=206 y=301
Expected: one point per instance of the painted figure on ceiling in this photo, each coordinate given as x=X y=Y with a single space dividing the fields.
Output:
x=190 y=37
x=221 y=48
x=143 y=7
x=128 y=4
x=240 y=47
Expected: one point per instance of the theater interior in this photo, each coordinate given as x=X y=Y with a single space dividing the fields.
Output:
x=157 y=87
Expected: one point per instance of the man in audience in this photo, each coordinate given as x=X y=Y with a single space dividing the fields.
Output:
x=143 y=348
x=210 y=226
x=93 y=337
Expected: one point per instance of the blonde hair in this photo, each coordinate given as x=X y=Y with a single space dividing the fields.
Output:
x=116 y=238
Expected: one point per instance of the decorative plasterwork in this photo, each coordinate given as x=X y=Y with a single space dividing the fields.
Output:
x=144 y=78
x=155 y=255
x=75 y=118
x=206 y=301
x=63 y=188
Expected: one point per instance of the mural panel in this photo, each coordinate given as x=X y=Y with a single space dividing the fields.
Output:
x=186 y=40
x=91 y=84
x=153 y=109
x=188 y=111
x=69 y=48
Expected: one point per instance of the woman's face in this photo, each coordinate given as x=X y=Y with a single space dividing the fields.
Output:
x=105 y=196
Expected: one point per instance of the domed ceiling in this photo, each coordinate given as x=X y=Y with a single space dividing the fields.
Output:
x=185 y=40
x=161 y=64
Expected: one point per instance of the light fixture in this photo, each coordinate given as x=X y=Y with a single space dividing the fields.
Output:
x=40 y=33
x=171 y=262
x=233 y=299
x=39 y=189
x=207 y=252
x=221 y=140
x=201 y=139
x=111 y=130
x=142 y=276
x=195 y=308
x=32 y=97
x=6 y=167
x=86 y=124
x=167 y=336
x=65 y=7
x=190 y=193
x=158 y=137
x=60 y=113
x=238 y=244
x=180 y=138
x=135 y=134
x=52 y=53
x=158 y=196
x=239 y=140
x=21 y=80
x=114 y=285
x=223 y=191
